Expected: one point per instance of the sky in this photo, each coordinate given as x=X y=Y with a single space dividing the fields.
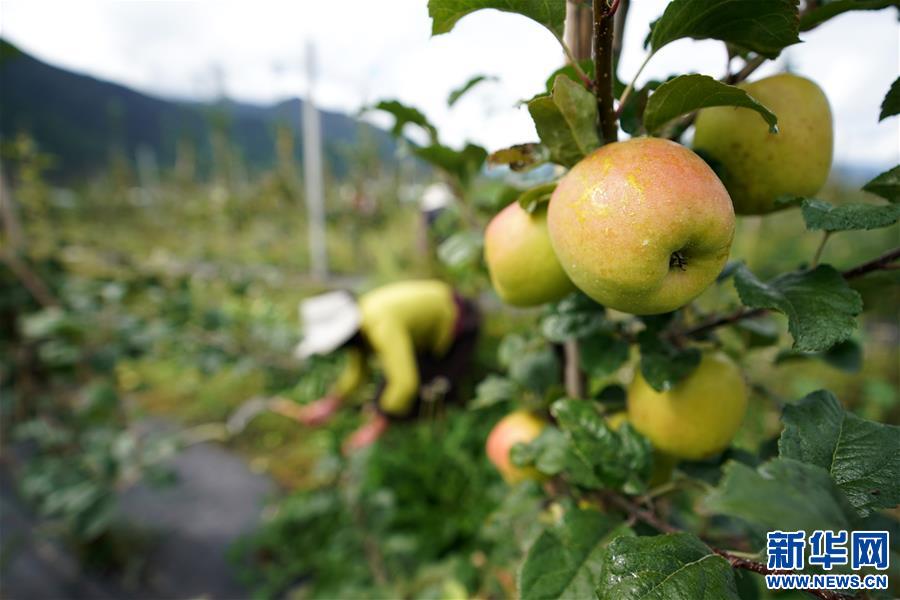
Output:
x=370 y=50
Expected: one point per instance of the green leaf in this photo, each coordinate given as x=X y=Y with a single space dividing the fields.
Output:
x=520 y=157
x=461 y=249
x=632 y=117
x=445 y=13
x=566 y=121
x=566 y=561
x=728 y=270
x=886 y=185
x=603 y=354
x=532 y=198
x=781 y=494
x=675 y=566
x=536 y=370
x=548 y=453
x=493 y=390
x=827 y=10
x=459 y=92
x=586 y=65
x=846 y=356
x=863 y=457
x=759 y=332
x=763 y=26
x=688 y=93
x=662 y=364
x=821 y=308
x=406 y=115
x=891 y=104
x=511 y=347
x=575 y=316
x=599 y=457
x=820 y=215
x=464 y=164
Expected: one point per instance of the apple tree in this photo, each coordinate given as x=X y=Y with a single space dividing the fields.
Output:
x=650 y=497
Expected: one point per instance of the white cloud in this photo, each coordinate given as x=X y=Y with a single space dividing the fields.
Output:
x=370 y=50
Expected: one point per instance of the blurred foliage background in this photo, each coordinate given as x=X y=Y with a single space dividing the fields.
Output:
x=174 y=297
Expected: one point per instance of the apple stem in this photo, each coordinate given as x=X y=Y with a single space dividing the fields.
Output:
x=819 y=250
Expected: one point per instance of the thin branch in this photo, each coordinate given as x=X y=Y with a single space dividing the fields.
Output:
x=729 y=319
x=630 y=87
x=30 y=280
x=573 y=375
x=607 y=125
x=636 y=512
x=621 y=12
x=649 y=517
x=876 y=264
x=749 y=68
x=880 y=263
x=588 y=83
x=739 y=562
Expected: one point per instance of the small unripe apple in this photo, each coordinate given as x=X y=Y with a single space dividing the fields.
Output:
x=698 y=416
x=642 y=226
x=523 y=267
x=516 y=427
x=758 y=166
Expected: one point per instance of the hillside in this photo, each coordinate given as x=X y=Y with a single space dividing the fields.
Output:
x=82 y=121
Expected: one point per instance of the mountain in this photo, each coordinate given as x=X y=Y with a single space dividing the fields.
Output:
x=83 y=121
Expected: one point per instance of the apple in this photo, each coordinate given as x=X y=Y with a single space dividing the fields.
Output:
x=758 y=166
x=523 y=267
x=519 y=426
x=698 y=416
x=642 y=226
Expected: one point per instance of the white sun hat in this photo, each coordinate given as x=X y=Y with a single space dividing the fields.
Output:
x=328 y=320
x=436 y=196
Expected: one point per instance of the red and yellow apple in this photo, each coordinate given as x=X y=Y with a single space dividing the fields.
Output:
x=642 y=226
x=516 y=427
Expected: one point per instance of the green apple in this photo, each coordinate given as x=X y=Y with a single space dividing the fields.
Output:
x=642 y=226
x=516 y=427
x=758 y=166
x=523 y=267
x=697 y=417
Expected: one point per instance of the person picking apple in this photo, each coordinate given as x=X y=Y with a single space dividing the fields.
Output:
x=421 y=333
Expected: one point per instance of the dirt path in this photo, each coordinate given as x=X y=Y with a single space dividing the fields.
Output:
x=215 y=500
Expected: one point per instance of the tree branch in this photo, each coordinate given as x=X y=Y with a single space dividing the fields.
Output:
x=649 y=517
x=574 y=377
x=883 y=262
x=636 y=512
x=30 y=280
x=739 y=562
x=749 y=67
x=876 y=264
x=619 y=30
x=607 y=125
